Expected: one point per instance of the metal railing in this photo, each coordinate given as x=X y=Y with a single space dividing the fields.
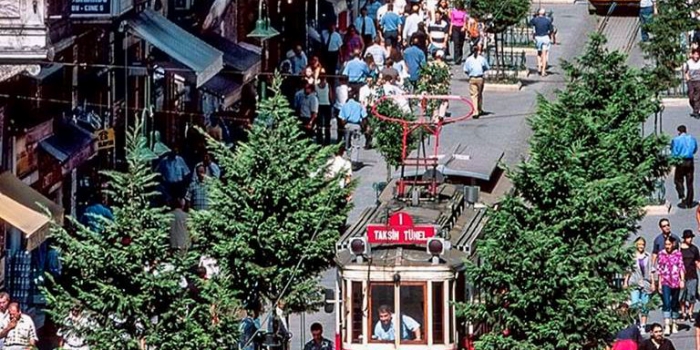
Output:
x=680 y=90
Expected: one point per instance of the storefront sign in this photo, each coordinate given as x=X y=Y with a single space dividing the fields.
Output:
x=26 y=145
x=400 y=230
x=91 y=7
x=105 y=138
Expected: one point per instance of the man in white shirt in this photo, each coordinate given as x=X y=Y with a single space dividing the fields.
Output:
x=332 y=42
x=340 y=165
x=411 y=25
x=18 y=330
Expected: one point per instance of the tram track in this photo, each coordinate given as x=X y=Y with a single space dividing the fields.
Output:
x=620 y=30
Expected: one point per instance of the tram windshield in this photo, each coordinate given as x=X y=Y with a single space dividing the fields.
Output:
x=410 y=311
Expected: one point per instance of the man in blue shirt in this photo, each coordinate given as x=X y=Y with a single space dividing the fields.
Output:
x=414 y=58
x=365 y=27
x=391 y=26
x=683 y=148
x=356 y=70
x=352 y=115
x=298 y=60
x=474 y=67
x=384 y=329
x=543 y=31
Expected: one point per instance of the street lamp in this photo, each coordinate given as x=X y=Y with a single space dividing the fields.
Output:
x=263 y=31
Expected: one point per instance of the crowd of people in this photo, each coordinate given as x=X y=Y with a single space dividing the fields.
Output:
x=384 y=48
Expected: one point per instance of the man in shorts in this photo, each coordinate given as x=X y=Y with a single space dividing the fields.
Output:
x=543 y=32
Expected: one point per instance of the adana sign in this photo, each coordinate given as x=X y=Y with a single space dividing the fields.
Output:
x=400 y=230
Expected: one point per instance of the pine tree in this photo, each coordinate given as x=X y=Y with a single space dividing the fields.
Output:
x=127 y=281
x=667 y=45
x=553 y=248
x=274 y=216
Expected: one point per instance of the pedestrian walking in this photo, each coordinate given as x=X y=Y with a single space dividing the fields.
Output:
x=665 y=227
x=691 y=262
x=180 y=240
x=318 y=341
x=196 y=195
x=647 y=11
x=474 y=67
x=356 y=70
x=332 y=42
x=414 y=58
x=640 y=281
x=458 y=22
x=683 y=149
x=18 y=329
x=543 y=31
x=630 y=337
x=308 y=110
x=365 y=26
x=74 y=328
x=437 y=29
x=657 y=340
x=391 y=24
x=671 y=273
x=691 y=73
x=352 y=43
x=324 y=93
x=342 y=92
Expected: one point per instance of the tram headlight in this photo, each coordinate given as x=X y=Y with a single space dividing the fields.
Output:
x=437 y=246
x=359 y=247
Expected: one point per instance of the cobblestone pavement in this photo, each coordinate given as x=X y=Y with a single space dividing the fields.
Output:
x=504 y=127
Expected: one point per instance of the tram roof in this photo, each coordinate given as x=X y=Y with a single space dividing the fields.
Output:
x=458 y=224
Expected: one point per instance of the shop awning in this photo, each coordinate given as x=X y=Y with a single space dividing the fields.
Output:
x=9 y=71
x=70 y=145
x=24 y=208
x=237 y=57
x=222 y=85
x=182 y=46
x=224 y=88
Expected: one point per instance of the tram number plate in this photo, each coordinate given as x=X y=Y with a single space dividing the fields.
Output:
x=386 y=234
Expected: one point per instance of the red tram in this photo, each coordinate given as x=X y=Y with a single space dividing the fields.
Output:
x=401 y=265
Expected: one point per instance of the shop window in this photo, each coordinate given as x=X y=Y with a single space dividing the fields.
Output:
x=356 y=312
x=413 y=312
x=382 y=312
x=438 y=313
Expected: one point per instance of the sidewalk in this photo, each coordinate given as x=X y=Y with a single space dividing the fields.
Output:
x=505 y=127
x=673 y=115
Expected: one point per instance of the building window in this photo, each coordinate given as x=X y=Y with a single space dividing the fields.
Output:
x=438 y=313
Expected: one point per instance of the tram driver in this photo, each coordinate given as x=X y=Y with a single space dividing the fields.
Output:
x=384 y=329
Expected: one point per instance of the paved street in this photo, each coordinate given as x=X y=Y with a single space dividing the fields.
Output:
x=505 y=127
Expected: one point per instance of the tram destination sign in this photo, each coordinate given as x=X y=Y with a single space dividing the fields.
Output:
x=400 y=230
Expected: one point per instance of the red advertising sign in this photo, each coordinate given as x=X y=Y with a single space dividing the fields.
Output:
x=400 y=230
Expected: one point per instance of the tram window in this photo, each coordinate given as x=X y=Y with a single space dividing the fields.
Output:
x=413 y=308
x=438 y=313
x=382 y=311
x=357 y=312
x=452 y=312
